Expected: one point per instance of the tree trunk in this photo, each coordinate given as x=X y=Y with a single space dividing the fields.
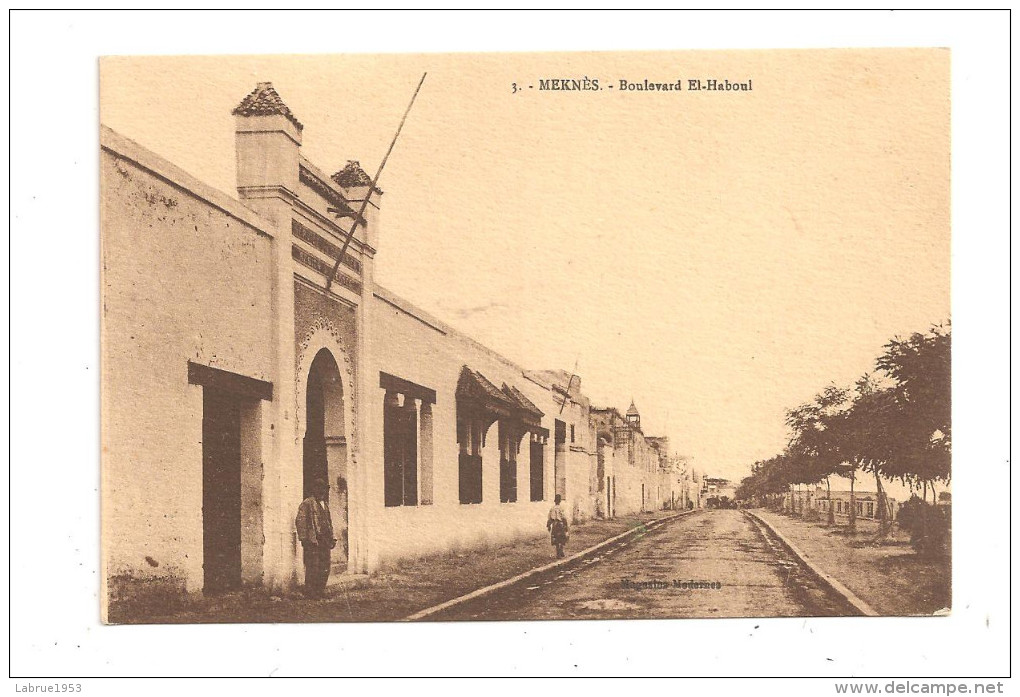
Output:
x=832 y=509
x=883 y=509
x=924 y=517
x=852 y=524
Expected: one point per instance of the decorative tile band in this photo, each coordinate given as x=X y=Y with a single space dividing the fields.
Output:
x=318 y=265
x=323 y=245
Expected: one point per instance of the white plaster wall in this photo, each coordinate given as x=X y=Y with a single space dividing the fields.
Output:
x=432 y=356
x=182 y=280
x=628 y=483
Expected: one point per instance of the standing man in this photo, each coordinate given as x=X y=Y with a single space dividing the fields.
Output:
x=557 y=526
x=315 y=530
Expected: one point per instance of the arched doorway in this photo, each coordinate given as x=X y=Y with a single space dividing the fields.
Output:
x=325 y=443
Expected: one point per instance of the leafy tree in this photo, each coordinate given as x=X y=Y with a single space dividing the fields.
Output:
x=870 y=438
x=919 y=423
x=769 y=478
x=814 y=444
x=921 y=417
x=895 y=424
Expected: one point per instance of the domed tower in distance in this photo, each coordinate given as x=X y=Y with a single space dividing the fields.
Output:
x=633 y=416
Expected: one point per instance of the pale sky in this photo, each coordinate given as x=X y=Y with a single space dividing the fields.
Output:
x=718 y=257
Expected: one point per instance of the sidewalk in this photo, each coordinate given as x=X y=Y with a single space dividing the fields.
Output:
x=401 y=590
x=889 y=577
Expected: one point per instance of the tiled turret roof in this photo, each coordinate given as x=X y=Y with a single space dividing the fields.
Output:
x=265 y=101
x=353 y=174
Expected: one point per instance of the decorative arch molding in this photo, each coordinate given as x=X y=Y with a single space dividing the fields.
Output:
x=324 y=334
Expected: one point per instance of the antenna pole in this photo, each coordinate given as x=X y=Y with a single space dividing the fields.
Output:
x=566 y=395
x=375 y=180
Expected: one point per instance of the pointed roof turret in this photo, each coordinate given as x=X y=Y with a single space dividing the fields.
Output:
x=633 y=409
x=353 y=174
x=264 y=100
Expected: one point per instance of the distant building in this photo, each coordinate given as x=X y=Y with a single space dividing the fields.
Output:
x=816 y=497
x=690 y=483
x=717 y=488
x=628 y=463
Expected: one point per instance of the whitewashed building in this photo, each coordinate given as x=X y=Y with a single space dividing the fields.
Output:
x=237 y=367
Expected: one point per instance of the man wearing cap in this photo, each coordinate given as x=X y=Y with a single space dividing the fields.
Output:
x=315 y=530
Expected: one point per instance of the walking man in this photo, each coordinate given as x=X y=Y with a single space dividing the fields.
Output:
x=557 y=526
x=315 y=530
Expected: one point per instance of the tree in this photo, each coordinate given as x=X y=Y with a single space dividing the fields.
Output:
x=813 y=442
x=870 y=439
x=768 y=479
x=895 y=424
x=921 y=416
x=919 y=420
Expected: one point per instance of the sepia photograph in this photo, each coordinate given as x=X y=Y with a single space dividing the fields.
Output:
x=525 y=336
x=352 y=346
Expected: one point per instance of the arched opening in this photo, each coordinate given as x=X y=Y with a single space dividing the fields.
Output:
x=325 y=443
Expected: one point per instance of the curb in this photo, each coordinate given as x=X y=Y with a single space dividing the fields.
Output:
x=485 y=590
x=840 y=589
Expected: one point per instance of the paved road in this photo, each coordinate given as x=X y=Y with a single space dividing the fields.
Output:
x=751 y=574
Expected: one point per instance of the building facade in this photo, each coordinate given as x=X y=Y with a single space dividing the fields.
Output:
x=718 y=490
x=628 y=463
x=866 y=503
x=805 y=498
x=245 y=357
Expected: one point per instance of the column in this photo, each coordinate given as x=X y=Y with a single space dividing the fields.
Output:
x=425 y=454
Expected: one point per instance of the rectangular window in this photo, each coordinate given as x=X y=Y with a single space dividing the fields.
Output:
x=407 y=441
x=571 y=433
x=537 y=471
x=400 y=451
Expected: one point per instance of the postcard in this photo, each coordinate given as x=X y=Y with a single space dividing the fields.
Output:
x=525 y=336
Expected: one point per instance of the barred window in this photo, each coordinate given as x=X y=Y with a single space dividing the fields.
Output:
x=400 y=451
x=407 y=442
